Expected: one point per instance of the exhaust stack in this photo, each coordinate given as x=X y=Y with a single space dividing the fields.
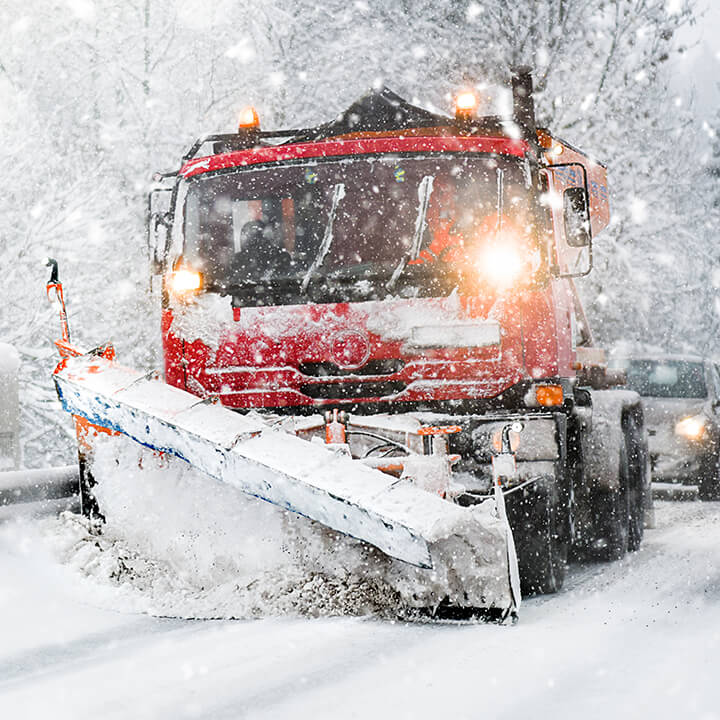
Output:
x=524 y=104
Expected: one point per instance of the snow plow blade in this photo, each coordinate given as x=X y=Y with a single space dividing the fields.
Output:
x=460 y=554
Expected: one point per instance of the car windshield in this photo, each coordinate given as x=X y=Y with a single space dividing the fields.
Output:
x=357 y=222
x=665 y=378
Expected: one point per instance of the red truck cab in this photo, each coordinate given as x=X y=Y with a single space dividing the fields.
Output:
x=392 y=260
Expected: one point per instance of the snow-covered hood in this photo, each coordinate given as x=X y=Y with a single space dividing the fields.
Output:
x=399 y=348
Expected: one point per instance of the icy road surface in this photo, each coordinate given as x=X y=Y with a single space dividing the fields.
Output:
x=638 y=638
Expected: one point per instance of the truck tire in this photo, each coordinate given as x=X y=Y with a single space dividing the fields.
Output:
x=637 y=482
x=709 y=483
x=612 y=513
x=541 y=547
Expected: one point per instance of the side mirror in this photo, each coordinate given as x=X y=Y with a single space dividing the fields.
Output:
x=571 y=219
x=159 y=223
x=577 y=217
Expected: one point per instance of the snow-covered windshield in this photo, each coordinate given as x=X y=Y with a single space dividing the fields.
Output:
x=347 y=222
x=665 y=378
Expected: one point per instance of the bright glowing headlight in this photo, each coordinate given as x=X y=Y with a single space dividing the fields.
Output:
x=693 y=428
x=502 y=265
x=185 y=281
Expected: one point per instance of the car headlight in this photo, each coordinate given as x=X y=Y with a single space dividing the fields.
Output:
x=693 y=428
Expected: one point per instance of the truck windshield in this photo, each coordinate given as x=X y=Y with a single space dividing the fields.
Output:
x=665 y=378
x=344 y=226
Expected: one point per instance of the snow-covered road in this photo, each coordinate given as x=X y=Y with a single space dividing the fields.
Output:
x=638 y=638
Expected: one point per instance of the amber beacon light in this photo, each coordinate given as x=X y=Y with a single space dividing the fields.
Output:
x=248 y=119
x=466 y=105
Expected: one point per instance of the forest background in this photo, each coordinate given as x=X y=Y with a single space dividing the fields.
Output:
x=96 y=95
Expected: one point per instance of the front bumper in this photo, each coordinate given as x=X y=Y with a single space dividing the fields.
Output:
x=673 y=459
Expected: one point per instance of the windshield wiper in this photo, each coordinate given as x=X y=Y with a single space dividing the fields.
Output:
x=424 y=191
x=500 y=208
x=338 y=195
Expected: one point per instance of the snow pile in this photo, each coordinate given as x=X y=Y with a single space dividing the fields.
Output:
x=122 y=576
x=178 y=543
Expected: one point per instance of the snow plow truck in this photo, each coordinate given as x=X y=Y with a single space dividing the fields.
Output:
x=374 y=323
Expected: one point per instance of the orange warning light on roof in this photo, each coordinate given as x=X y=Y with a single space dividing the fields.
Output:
x=466 y=104
x=248 y=119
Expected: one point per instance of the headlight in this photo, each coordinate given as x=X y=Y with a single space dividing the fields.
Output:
x=508 y=261
x=503 y=266
x=184 y=282
x=693 y=428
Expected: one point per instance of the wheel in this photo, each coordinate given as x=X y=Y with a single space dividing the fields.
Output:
x=637 y=483
x=709 y=483
x=612 y=515
x=636 y=520
x=538 y=531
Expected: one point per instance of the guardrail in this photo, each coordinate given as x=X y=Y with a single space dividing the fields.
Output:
x=38 y=492
x=9 y=407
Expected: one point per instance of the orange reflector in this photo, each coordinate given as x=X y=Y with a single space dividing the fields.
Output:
x=549 y=395
x=439 y=430
x=544 y=138
x=248 y=118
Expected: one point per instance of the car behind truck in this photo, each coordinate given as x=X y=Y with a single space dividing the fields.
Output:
x=681 y=401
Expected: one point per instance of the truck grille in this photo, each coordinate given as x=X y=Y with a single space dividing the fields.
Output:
x=373 y=367
x=345 y=390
